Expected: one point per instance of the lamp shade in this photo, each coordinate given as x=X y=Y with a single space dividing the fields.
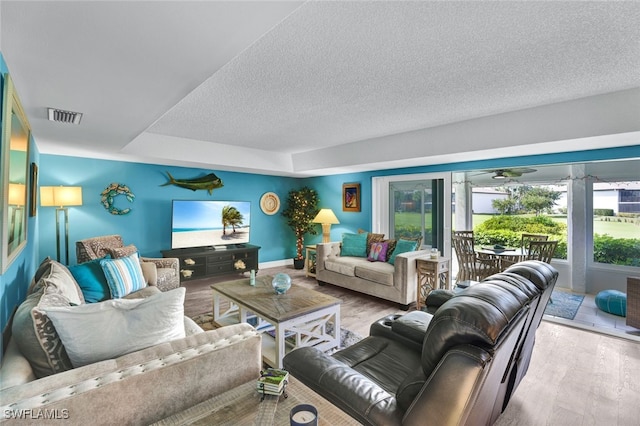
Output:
x=60 y=196
x=17 y=194
x=326 y=216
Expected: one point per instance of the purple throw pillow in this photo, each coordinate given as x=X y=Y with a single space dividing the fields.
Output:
x=378 y=252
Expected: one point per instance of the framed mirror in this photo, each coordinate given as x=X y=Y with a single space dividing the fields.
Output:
x=14 y=160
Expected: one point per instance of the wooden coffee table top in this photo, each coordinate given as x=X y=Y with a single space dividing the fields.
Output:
x=263 y=300
x=243 y=406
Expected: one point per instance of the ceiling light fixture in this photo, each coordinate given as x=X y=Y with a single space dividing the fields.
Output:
x=62 y=116
x=499 y=175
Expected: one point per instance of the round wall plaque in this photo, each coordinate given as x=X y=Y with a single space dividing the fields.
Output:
x=270 y=203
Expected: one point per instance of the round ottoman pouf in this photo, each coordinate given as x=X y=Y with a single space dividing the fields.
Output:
x=613 y=302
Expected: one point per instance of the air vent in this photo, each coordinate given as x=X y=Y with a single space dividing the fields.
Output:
x=64 y=116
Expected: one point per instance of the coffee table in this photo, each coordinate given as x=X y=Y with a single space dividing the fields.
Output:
x=300 y=317
x=243 y=406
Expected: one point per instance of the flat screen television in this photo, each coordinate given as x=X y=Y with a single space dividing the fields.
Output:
x=196 y=223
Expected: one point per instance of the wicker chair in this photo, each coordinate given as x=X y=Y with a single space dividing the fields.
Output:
x=541 y=250
x=167 y=269
x=633 y=302
x=471 y=266
x=525 y=239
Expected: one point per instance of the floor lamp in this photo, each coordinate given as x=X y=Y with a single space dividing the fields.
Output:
x=326 y=218
x=61 y=197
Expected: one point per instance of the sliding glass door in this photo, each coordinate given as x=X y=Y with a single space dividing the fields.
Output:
x=412 y=206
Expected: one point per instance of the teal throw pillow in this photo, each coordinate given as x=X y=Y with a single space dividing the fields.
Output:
x=124 y=275
x=402 y=246
x=90 y=277
x=354 y=245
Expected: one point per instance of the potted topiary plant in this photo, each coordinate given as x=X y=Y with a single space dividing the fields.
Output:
x=301 y=208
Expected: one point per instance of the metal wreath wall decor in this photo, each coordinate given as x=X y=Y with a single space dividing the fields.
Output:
x=112 y=191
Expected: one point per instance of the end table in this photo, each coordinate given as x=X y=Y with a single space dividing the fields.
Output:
x=432 y=274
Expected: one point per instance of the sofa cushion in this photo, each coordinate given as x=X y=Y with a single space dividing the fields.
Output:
x=39 y=342
x=354 y=245
x=344 y=265
x=90 y=277
x=378 y=252
x=402 y=246
x=378 y=272
x=118 y=252
x=150 y=272
x=124 y=325
x=123 y=275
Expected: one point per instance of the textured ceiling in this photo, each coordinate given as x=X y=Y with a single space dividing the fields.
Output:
x=275 y=87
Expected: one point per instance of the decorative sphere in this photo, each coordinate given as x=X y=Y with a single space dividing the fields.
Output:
x=281 y=283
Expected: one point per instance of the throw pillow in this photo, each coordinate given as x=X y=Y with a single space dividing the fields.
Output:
x=39 y=342
x=371 y=238
x=402 y=246
x=354 y=245
x=123 y=275
x=36 y=284
x=118 y=252
x=391 y=247
x=92 y=281
x=378 y=252
x=106 y=330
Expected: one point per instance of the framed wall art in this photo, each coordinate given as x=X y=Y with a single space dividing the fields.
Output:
x=351 y=197
x=33 y=190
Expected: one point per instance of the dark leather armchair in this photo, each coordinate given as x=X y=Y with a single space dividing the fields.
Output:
x=458 y=366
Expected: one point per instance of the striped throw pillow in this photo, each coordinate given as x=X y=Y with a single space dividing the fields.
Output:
x=124 y=275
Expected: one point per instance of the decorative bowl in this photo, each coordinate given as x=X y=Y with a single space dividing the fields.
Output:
x=281 y=283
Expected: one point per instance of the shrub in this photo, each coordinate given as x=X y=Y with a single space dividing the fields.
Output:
x=507 y=231
x=617 y=251
x=603 y=212
x=523 y=224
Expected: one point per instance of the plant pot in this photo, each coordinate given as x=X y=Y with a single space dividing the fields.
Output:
x=298 y=263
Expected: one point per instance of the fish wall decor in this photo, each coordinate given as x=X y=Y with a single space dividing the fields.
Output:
x=208 y=182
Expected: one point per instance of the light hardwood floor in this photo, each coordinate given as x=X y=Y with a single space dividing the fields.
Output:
x=576 y=377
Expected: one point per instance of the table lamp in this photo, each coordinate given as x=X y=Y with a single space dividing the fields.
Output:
x=326 y=217
x=61 y=197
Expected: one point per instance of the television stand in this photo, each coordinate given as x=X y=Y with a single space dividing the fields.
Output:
x=204 y=262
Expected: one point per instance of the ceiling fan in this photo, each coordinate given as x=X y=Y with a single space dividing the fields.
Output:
x=509 y=173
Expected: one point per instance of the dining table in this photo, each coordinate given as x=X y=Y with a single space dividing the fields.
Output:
x=506 y=256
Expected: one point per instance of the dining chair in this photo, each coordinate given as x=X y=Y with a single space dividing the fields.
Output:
x=541 y=250
x=525 y=239
x=471 y=266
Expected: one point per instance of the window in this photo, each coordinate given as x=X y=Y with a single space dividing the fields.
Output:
x=414 y=206
x=501 y=214
x=616 y=223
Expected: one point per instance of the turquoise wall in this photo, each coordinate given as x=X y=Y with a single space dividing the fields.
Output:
x=15 y=280
x=148 y=224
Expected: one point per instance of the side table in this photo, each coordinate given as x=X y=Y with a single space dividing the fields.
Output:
x=432 y=274
x=310 y=261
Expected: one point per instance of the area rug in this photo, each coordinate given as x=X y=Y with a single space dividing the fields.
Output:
x=564 y=304
x=347 y=337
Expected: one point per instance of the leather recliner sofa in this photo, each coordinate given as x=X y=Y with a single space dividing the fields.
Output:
x=458 y=366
